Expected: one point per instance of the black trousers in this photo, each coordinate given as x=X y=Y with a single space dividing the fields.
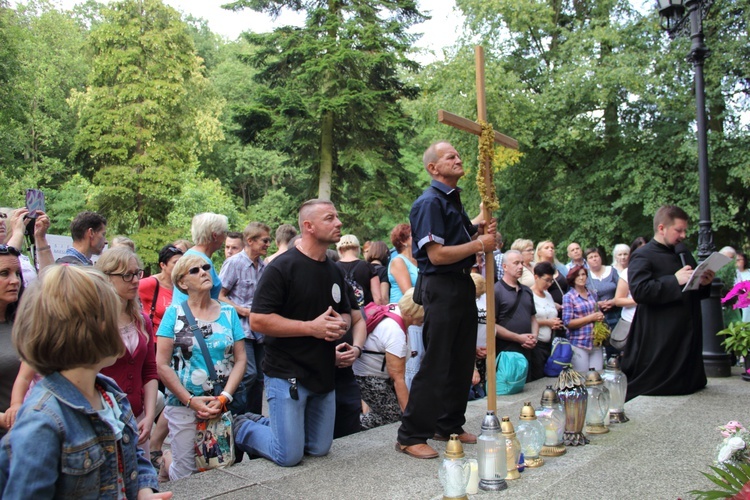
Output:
x=440 y=390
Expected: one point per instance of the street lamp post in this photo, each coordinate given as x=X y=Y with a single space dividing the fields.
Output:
x=675 y=22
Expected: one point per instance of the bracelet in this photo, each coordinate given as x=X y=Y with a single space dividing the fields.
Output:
x=42 y=249
x=189 y=400
x=227 y=395
x=360 y=351
x=223 y=400
x=482 y=243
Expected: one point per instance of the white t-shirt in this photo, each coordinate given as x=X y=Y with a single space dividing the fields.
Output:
x=627 y=312
x=386 y=337
x=545 y=309
x=482 y=321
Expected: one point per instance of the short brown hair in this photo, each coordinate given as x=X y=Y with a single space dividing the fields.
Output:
x=68 y=319
x=254 y=230
x=667 y=214
x=182 y=266
x=400 y=235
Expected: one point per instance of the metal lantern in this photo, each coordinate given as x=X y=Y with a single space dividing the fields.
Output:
x=454 y=471
x=597 y=411
x=617 y=383
x=512 y=449
x=670 y=11
x=491 y=455
x=531 y=435
x=552 y=417
x=573 y=395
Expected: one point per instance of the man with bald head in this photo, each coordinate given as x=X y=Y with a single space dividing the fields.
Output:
x=445 y=243
x=302 y=308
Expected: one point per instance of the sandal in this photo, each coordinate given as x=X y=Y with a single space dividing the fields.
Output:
x=156 y=459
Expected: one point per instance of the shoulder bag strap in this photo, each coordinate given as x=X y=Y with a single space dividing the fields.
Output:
x=513 y=308
x=201 y=341
x=153 y=302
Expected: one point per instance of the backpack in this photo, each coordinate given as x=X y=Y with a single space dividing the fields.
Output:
x=512 y=368
x=359 y=292
x=562 y=353
x=374 y=314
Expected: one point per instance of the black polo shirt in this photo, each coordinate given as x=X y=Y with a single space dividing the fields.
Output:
x=518 y=321
x=438 y=216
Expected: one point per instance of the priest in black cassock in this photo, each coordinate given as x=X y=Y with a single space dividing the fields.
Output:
x=664 y=352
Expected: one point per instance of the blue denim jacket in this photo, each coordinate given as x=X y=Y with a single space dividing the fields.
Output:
x=60 y=448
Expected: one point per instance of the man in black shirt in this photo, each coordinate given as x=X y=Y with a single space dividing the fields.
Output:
x=445 y=243
x=302 y=307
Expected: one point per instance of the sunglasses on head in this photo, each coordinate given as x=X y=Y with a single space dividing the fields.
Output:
x=6 y=249
x=197 y=269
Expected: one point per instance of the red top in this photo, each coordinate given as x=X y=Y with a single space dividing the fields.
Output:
x=133 y=371
x=146 y=290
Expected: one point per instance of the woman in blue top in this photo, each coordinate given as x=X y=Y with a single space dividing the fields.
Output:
x=603 y=280
x=75 y=436
x=181 y=364
x=402 y=269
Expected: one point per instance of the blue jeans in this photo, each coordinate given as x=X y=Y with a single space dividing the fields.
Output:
x=294 y=428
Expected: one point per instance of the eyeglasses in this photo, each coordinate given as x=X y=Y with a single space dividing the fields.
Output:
x=548 y=280
x=7 y=249
x=196 y=269
x=266 y=240
x=129 y=276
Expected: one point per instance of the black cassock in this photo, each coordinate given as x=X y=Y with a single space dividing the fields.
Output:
x=664 y=351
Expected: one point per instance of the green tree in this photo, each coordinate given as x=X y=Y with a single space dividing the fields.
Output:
x=331 y=97
x=147 y=114
x=604 y=113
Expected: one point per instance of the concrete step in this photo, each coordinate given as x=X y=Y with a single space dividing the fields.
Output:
x=659 y=454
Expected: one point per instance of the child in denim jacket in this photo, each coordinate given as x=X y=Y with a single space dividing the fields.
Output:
x=75 y=435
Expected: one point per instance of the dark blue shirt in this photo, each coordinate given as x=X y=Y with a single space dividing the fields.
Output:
x=438 y=216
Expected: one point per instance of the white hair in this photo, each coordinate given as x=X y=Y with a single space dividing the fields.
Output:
x=620 y=247
x=207 y=224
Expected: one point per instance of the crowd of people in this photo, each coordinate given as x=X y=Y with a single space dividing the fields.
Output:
x=96 y=357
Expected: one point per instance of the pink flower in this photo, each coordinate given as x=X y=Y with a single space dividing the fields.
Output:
x=730 y=428
x=742 y=291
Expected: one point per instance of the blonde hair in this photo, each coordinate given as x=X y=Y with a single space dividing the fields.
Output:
x=205 y=225
x=410 y=308
x=115 y=261
x=520 y=244
x=68 y=319
x=182 y=267
x=480 y=283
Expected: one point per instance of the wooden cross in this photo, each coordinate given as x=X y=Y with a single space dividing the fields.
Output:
x=489 y=260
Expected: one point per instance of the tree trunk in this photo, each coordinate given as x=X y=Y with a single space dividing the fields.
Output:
x=326 y=156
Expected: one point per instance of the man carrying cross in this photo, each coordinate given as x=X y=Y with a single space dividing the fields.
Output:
x=445 y=246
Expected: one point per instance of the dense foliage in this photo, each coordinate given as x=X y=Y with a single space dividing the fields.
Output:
x=129 y=109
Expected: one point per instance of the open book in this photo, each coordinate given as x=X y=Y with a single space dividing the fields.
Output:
x=714 y=262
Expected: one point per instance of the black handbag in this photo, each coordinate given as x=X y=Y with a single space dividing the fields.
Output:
x=239 y=401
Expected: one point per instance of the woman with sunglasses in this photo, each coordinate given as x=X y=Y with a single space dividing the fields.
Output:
x=11 y=288
x=134 y=371
x=182 y=363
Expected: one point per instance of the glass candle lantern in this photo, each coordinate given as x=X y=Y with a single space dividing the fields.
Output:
x=552 y=417
x=597 y=412
x=454 y=471
x=531 y=436
x=512 y=449
x=491 y=455
x=617 y=383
